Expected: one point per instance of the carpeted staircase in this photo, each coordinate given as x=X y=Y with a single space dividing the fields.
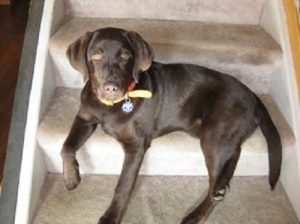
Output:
x=218 y=34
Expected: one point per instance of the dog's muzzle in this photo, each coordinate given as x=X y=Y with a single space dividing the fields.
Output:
x=112 y=90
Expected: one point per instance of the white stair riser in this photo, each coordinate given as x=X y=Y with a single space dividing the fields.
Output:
x=173 y=154
x=220 y=11
x=187 y=165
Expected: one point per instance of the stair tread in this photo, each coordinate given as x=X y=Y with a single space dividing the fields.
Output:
x=163 y=200
x=245 y=51
x=103 y=154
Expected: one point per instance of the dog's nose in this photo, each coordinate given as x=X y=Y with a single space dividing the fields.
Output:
x=110 y=87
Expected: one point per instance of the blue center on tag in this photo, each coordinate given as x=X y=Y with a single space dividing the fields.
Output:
x=127 y=107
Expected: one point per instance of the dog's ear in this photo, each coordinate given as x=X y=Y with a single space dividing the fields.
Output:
x=142 y=52
x=77 y=54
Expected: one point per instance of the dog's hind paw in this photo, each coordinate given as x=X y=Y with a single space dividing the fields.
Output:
x=220 y=195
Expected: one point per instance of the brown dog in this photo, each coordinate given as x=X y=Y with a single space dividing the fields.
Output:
x=135 y=100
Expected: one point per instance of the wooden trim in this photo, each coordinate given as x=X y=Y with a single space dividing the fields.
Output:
x=5 y=2
x=294 y=34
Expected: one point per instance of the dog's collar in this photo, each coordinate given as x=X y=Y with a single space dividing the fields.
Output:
x=131 y=93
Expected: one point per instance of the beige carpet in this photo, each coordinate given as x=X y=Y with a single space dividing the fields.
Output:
x=163 y=200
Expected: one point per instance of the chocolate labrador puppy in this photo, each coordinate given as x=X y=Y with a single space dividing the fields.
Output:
x=135 y=99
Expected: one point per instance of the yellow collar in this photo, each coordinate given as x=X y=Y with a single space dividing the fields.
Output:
x=133 y=94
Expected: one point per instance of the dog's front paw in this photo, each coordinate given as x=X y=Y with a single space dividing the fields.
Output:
x=189 y=220
x=107 y=220
x=71 y=175
x=193 y=219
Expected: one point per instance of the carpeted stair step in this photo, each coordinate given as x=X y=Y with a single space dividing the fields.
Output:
x=173 y=154
x=163 y=200
x=244 y=51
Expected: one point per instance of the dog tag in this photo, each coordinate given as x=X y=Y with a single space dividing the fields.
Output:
x=127 y=107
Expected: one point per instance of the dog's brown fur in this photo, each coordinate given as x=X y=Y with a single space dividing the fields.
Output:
x=207 y=104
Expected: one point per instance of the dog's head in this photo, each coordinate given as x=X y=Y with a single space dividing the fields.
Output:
x=111 y=59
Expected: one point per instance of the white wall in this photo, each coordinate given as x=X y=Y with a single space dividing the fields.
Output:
x=33 y=170
x=284 y=92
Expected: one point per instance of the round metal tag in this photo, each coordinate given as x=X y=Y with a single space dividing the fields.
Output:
x=127 y=107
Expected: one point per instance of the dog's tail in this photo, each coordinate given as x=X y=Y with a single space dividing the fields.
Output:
x=273 y=141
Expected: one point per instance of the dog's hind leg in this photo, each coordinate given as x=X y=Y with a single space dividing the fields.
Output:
x=81 y=130
x=221 y=161
x=226 y=174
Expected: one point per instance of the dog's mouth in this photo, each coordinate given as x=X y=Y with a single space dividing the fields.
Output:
x=110 y=96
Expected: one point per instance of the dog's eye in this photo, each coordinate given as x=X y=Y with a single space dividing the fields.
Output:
x=124 y=56
x=98 y=57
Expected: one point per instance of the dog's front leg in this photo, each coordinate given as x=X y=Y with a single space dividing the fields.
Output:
x=81 y=130
x=134 y=154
